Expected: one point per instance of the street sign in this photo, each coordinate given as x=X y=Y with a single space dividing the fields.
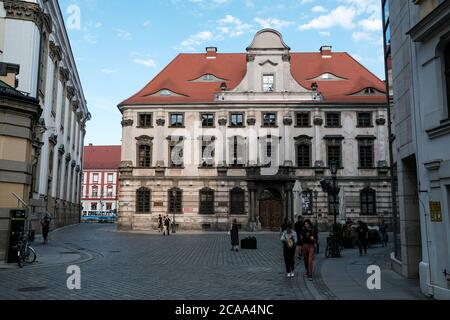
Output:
x=435 y=211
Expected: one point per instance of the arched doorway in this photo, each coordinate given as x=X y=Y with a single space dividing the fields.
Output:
x=270 y=209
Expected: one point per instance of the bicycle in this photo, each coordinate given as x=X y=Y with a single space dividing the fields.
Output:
x=333 y=248
x=25 y=252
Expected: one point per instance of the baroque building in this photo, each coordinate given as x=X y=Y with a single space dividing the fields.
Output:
x=249 y=136
x=44 y=155
x=417 y=38
x=100 y=188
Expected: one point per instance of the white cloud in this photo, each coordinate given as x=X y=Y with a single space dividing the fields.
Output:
x=90 y=38
x=273 y=23
x=318 y=9
x=123 y=34
x=232 y=26
x=249 y=3
x=196 y=40
x=146 y=23
x=150 y=63
x=371 y=24
x=98 y=25
x=324 y=33
x=108 y=71
x=360 y=35
x=341 y=16
x=306 y=1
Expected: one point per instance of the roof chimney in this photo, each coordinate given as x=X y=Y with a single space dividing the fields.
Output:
x=90 y=144
x=211 y=52
x=325 y=51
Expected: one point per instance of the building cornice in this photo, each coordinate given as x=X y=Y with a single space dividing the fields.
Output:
x=432 y=23
x=23 y=10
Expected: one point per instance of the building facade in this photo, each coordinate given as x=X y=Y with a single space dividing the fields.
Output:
x=100 y=188
x=33 y=37
x=248 y=136
x=417 y=37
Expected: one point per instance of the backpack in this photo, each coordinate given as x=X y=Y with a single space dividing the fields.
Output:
x=290 y=243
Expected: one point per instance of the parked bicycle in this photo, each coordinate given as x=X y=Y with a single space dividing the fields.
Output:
x=25 y=252
x=334 y=246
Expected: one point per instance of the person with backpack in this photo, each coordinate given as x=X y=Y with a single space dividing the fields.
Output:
x=308 y=239
x=289 y=240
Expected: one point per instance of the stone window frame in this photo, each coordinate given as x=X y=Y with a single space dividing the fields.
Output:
x=207 y=114
x=143 y=201
x=368 y=208
x=171 y=145
x=237 y=206
x=334 y=142
x=144 y=141
x=206 y=206
x=265 y=124
x=206 y=141
x=238 y=113
x=178 y=201
x=328 y=120
x=234 y=158
x=366 y=159
x=297 y=125
x=146 y=125
x=303 y=140
x=360 y=121
x=180 y=125
x=264 y=75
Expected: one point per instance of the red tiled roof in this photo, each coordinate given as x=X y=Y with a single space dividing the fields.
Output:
x=101 y=157
x=233 y=66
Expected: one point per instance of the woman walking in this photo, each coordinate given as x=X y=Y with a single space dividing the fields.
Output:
x=234 y=235
x=45 y=223
x=289 y=240
x=308 y=239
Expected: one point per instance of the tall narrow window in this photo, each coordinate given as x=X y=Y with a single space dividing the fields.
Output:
x=175 y=197
x=237 y=120
x=145 y=120
x=143 y=200
x=176 y=120
x=145 y=160
x=208 y=151
x=368 y=204
x=365 y=147
x=447 y=76
x=334 y=151
x=268 y=83
x=302 y=119
x=144 y=149
x=206 y=201
x=237 y=201
x=237 y=151
x=364 y=119
x=269 y=119
x=333 y=119
x=207 y=120
x=303 y=149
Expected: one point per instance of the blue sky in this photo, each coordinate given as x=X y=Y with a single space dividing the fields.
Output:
x=121 y=45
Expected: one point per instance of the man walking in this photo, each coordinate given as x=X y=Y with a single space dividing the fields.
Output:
x=363 y=237
x=298 y=226
x=166 y=226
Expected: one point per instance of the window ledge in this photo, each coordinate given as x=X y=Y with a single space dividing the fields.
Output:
x=308 y=126
x=371 y=126
x=332 y=126
x=207 y=167
x=146 y=127
x=236 y=126
x=270 y=126
x=443 y=129
x=176 y=127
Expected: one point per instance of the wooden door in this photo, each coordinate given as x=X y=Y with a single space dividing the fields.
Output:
x=271 y=214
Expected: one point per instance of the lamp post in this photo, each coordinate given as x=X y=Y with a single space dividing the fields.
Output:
x=333 y=169
x=316 y=195
x=174 y=195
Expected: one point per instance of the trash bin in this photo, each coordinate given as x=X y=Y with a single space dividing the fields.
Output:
x=16 y=230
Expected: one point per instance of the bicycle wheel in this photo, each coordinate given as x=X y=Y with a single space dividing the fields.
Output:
x=21 y=260
x=31 y=255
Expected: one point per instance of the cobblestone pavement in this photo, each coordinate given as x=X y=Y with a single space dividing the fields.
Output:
x=117 y=265
x=150 y=266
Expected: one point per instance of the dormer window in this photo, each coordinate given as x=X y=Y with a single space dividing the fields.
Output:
x=327 y=76
x=268 y=83
x=208 y=77
x=369 y=91
x=165 y=92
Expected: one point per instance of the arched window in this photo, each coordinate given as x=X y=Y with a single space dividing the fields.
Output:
x=368 y=205
x=143 y=200
x=303 y=151
x=144 y=151
x=447 y=76
x=175 y=196
x=237 y=201
x=206 y=201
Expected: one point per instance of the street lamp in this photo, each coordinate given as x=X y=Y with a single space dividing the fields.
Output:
x=174 y=195
x=316 y=195
x=333 y=169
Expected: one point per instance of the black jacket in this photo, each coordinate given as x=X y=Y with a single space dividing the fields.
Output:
x=308 y=236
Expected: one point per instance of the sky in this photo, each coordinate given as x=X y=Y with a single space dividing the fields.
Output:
x=119 y=46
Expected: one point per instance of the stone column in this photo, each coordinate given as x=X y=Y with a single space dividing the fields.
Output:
x=223 y=139
x=252 y=207
x=159 y=141
x=287 y=122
